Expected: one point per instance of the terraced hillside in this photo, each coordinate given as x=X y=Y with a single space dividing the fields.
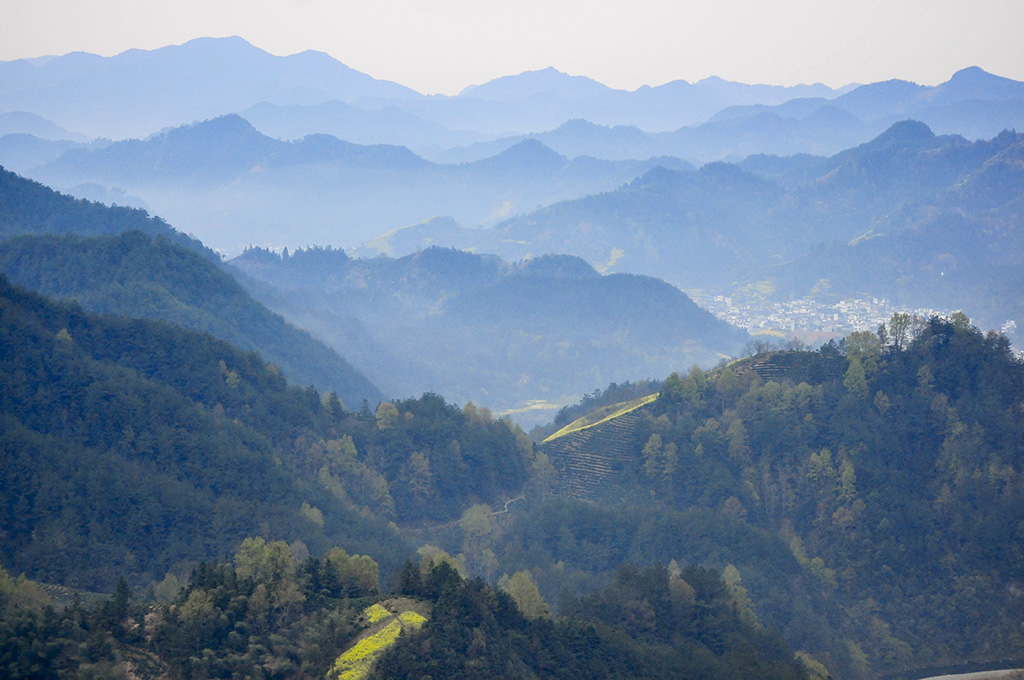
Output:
x=597 y=456
x=594 y=461
x=809 y=367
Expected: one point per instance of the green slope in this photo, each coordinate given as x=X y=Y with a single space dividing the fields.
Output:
x=129 y=446
x=888 y=476
x=69 y=248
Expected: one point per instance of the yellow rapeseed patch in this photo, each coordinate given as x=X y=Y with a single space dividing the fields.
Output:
x=375 y=613
x=412 y=620
x=356 y=662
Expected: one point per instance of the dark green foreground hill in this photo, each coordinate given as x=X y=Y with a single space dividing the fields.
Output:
x=130 y=446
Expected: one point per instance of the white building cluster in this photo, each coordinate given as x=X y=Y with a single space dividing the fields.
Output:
x=808 y=316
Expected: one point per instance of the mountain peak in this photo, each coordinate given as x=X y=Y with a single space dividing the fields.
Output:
x=974 y=82
x=970 y=72
x=534 y=150
x=206 y=47
x=557 y=267
x=579 y=125
x=549 y=81
x=230 y=125
x=904 y=132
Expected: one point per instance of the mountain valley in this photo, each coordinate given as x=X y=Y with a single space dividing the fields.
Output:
x=305 y=374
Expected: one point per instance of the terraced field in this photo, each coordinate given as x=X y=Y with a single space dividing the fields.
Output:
x=593 y=460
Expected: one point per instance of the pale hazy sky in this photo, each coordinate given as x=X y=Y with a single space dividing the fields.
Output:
x=445 y=45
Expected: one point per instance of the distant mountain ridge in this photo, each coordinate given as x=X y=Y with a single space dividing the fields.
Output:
x=139 y=92
x=310 y=93
x=207 y=77
x=918 y=218
x=232 y=186
x=972 y=103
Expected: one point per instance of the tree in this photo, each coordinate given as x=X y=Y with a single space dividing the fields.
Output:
x=432 y=556
x=273 y=568
x=387 y=415
x=523 y=590
x=421 y=479
x=739 y=450
x=196 y=613
x=356 y=574
x=265 y=562
x=855 y=381
x=961 y=322
x=899 y=330
x=865 y=346
x=479 y=530
x=652 y=455
x=738 y=593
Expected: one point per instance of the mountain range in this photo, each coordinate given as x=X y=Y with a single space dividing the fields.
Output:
x=231 y=186
x=166 y=427
x=972 y=103
x=207 y=77
x=309 y=93
x=139 y=92
x=921 y=219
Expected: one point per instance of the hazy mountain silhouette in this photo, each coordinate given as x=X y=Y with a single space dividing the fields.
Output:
x=473 y=327
x=973 y=103
x=23 y=122
x=232 y=186
x=22 y=152
x=138 y=92
x=529 y=84
x=390 y=125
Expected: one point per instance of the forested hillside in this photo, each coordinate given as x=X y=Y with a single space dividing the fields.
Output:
x=648 y=623
x=96 y=254
x=873 y=488
x=132 y=447
x=267 y=613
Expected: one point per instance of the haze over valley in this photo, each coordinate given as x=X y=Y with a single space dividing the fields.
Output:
x=308 y=374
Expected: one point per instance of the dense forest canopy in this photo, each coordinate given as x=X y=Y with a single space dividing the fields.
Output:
x=862 y=499
x=133 y=445
x=266 y=613
x=878 y=478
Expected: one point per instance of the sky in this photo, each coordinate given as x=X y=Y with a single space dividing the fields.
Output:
x=442 y=46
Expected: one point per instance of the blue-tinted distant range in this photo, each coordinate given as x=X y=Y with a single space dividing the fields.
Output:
x=448 y=46
x=240 y=147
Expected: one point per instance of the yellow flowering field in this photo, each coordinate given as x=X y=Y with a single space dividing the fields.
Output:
x=375 y=613
x=357 y=660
